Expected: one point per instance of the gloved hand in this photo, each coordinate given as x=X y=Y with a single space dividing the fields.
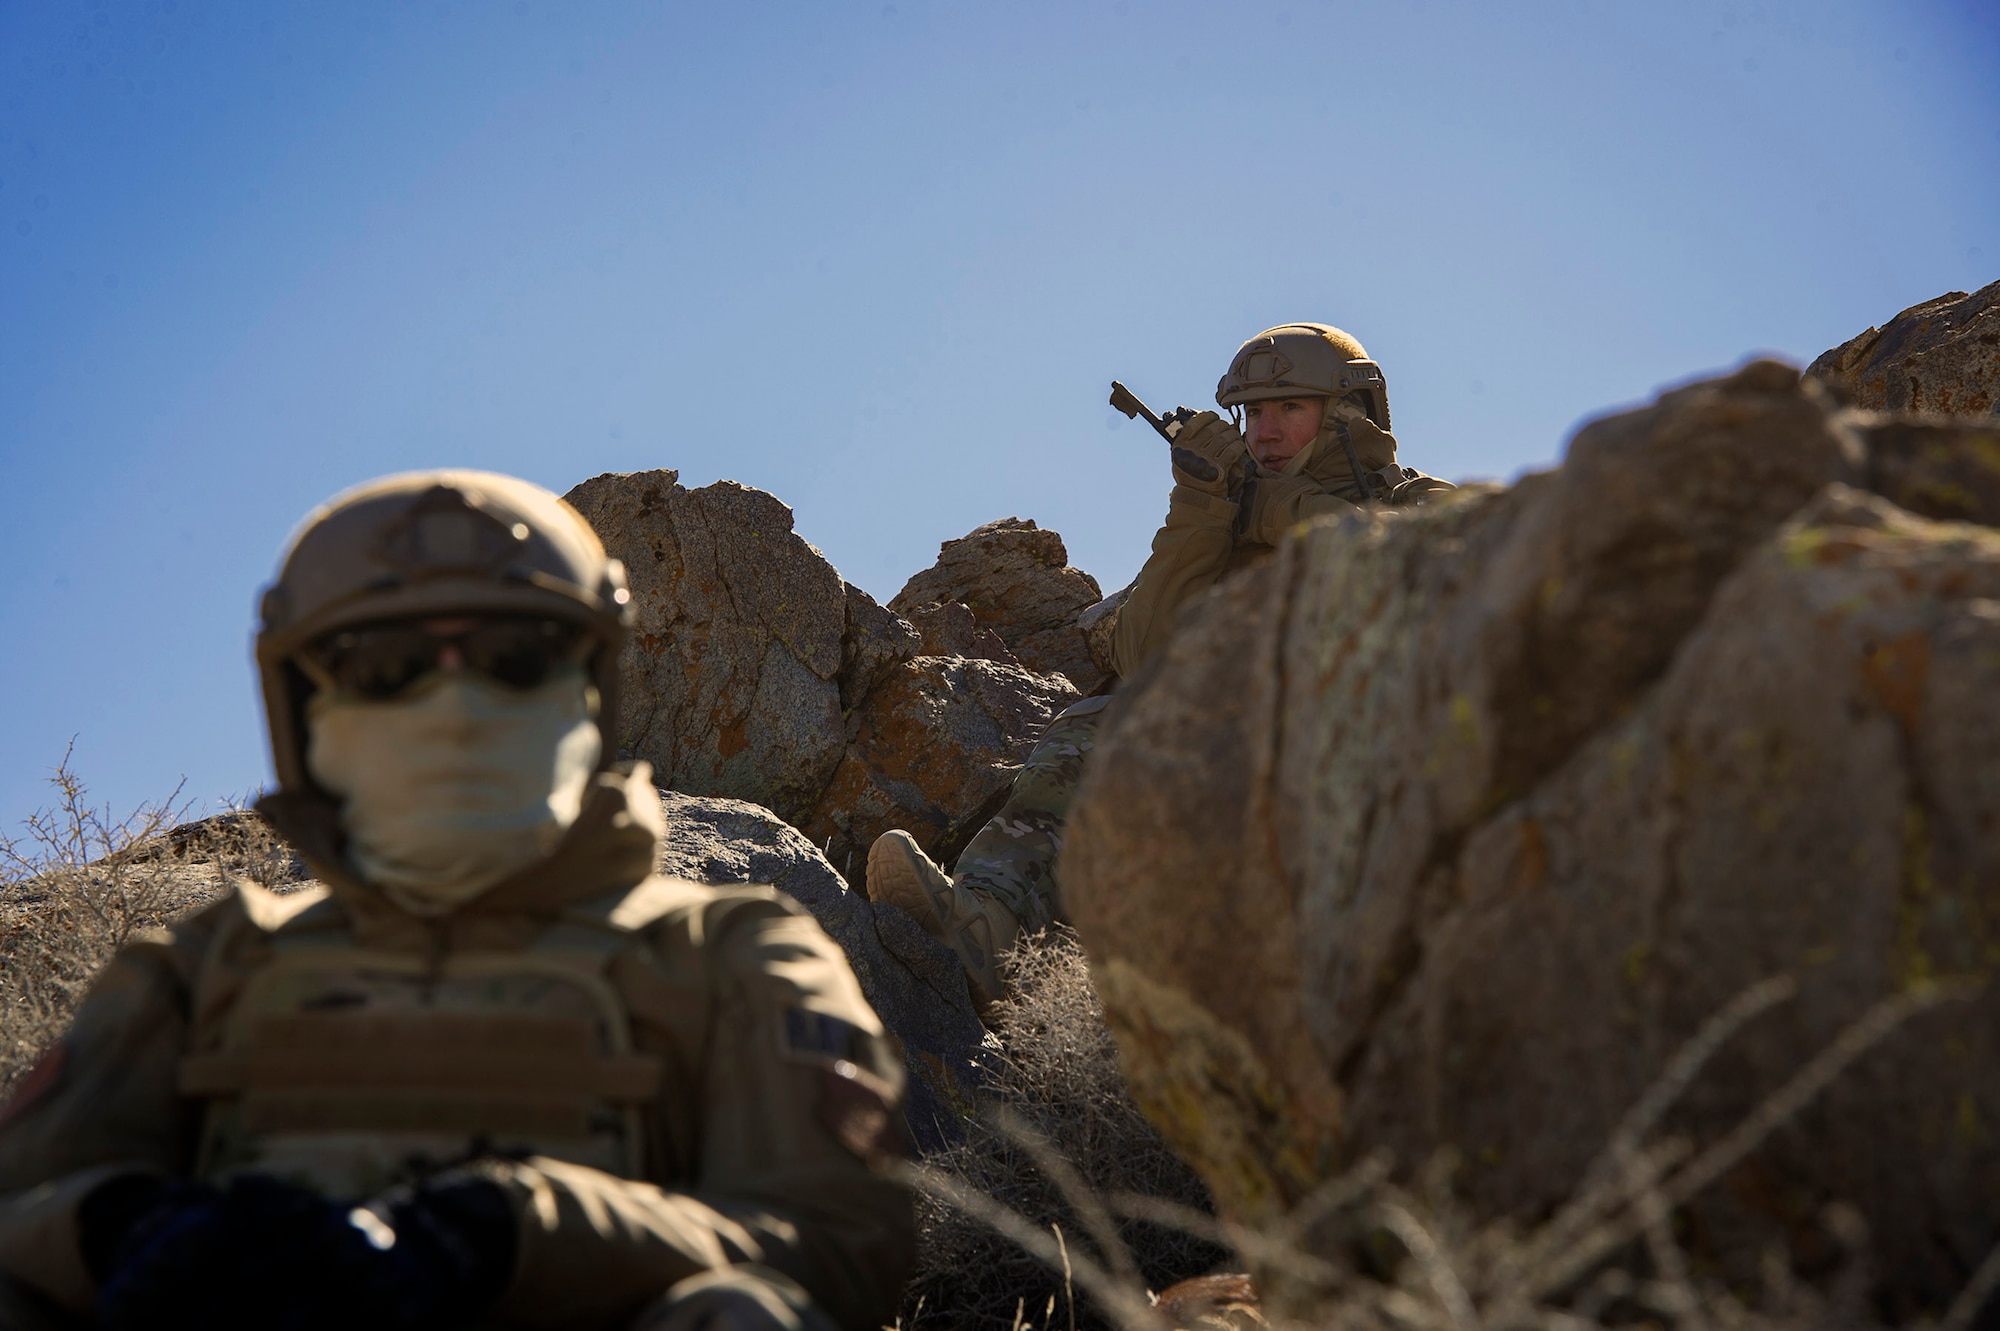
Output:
x=1206 y=451
x=268 y=1254
x=1280 y=503
x=453 y=1250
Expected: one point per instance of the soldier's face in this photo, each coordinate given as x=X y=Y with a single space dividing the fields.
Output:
x=1278 y=429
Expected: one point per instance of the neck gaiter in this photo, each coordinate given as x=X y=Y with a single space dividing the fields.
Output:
x=448 y=790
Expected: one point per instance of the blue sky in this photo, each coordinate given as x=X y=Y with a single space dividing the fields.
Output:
x=882 y=260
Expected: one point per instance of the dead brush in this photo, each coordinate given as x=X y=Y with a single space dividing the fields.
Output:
x=1060 y=1134
x=1369 y=1251
x=78 y=882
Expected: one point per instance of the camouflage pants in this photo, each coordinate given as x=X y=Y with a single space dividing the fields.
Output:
x=1013 y=858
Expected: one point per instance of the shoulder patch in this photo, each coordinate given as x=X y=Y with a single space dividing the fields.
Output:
x=817 y=1037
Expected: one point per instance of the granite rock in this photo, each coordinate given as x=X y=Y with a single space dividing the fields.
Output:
x=1017 y=581
x=733 y=670
x=1940 y=358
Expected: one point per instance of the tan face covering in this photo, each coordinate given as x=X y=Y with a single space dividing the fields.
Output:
x=449 y=790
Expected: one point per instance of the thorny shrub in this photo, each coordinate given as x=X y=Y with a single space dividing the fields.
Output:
x=78 y=882
x=1060 y=1132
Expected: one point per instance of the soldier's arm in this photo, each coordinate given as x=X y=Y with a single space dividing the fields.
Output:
x=804 y=1092
x=774 y=1145
x=102 y=1102
x=1190 y=551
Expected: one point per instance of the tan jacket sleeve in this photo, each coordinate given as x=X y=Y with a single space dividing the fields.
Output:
x=770 y=1178
x=1190 y=551
x=102 y=1101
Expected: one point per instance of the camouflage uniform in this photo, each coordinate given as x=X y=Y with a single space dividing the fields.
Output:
x=1013 y=857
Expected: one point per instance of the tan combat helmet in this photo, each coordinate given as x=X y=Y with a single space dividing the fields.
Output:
x=1302 y=360
x=426 y=544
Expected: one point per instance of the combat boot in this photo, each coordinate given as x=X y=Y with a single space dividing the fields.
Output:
x=972 y=923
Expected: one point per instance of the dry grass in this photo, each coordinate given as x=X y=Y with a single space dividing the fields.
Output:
x=1061 y=1133
x=1063 y=1208
x=1370 y=1250
x=77 y=882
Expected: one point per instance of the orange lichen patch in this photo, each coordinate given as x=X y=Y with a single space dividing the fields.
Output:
x=732 y=738
x=1895 y=673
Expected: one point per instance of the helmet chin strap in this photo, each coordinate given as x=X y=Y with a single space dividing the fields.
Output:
x=1297 y=462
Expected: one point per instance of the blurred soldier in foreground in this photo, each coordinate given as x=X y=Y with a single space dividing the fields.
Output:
x=1313 y=437
x=494 y=1073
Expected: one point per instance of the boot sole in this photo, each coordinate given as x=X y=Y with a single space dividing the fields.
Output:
x=896 y=878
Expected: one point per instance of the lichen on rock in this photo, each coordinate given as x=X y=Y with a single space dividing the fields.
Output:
x=1017 y=580
x=1940 y=358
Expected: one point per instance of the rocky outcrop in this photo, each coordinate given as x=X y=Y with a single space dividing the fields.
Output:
x=935 y=749
x=1507 y=795
x=755 y=673
x=876 y=642
x=914 y=982
x=1017 y=581
x=732 y=673
x=1940 y=358
x=949 y=629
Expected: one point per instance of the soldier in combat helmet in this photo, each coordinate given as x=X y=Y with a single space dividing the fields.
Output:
x=1308 y=433
x=494 y=1071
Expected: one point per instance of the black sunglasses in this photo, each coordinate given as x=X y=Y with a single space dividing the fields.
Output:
x=380 y=661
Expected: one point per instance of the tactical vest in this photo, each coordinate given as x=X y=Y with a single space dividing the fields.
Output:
x=350 y=1070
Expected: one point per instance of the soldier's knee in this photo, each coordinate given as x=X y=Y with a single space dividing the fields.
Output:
x=735 y=1298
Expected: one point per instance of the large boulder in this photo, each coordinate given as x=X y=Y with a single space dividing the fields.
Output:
x=732 y=674
x=914 y=982
x=1940 y=358
x=1017 y=581
x=754 y=672
x=1939 y=469
x=1507 y=795
x=876 y=642
x=934 y=751
x=949 y=628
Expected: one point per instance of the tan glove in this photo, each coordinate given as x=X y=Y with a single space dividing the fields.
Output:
x=1416 y=489
x=1279 y=503
x=1207 y=450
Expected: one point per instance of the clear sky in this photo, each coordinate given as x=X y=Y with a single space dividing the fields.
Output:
x=880 y=259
